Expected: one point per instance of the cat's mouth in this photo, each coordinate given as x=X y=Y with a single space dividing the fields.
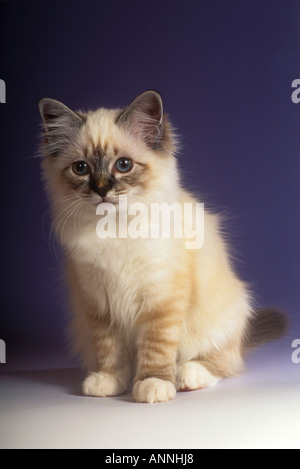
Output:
x=107 y=200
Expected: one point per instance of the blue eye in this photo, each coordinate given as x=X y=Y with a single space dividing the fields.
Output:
x=81 y=168
x=123 y=165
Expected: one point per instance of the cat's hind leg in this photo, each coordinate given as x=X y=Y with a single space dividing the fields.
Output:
x=194 y=375
x=203 y=372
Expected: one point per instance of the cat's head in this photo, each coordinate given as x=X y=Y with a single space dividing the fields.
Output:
x=100 y=155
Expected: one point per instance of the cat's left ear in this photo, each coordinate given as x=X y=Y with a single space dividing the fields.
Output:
x=144 y=118
x=61 y=124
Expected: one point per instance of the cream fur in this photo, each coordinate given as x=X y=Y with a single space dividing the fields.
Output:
x=124 y=278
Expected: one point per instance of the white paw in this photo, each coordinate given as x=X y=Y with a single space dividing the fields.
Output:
x=193 y=375
x=102 y=384
x=152 y=390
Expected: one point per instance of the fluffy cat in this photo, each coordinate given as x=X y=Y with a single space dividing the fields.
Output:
x=144 y=309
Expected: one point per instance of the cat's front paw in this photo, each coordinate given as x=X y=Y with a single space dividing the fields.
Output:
x=103 y=385
x=152 y=390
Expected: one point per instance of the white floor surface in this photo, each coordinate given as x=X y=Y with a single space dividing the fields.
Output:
x=259 y=409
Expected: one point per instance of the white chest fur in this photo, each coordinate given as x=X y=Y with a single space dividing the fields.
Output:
x=123 y=276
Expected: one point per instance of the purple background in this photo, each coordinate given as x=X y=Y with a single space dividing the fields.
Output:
x=224 y=70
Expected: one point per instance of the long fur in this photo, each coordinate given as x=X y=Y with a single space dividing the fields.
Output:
x=143 y=309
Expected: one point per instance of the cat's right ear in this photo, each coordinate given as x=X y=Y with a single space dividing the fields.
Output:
x=60 y=124
x=144 y=118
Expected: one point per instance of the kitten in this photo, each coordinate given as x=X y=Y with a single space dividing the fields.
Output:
x=147 y=309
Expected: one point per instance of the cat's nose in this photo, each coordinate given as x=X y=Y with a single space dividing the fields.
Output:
x=103 y=191
x=103 y=185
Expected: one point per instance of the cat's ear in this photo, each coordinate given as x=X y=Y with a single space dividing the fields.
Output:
x=144 y=118
x=61 y=124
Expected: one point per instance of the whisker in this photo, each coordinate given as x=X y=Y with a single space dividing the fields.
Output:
x=77 y=215
x=70 y=206
x=55 y=226
x=69 y=215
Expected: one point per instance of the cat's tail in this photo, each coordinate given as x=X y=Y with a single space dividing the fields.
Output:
x=266 y=325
